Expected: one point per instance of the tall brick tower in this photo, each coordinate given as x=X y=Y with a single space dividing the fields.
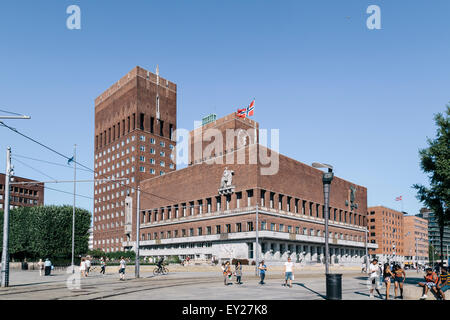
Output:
x=134 y=123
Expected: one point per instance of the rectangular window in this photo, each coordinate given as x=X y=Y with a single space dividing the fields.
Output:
x=238 y=227
x=141 y=121
x=161 y=128
x=228 y=226
x=152 y=121
x=208 y=230
x=250 y=226
x=218 y=229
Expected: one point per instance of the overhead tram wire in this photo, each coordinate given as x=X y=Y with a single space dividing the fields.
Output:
x=65 y=157
x=40 y=183
x=42 y=145
x=71 y=193
x=13 y=113
x=45 y=161
x=26 y=165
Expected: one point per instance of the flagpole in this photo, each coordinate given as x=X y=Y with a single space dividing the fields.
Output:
x=73 y=210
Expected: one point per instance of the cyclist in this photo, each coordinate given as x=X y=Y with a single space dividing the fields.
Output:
x=160 y=263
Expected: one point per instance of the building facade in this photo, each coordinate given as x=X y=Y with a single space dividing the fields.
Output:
x=386 y=229
x=416 y=240
x=22 y=195
x=218 y=208
x=134 y=124
x=434 y=238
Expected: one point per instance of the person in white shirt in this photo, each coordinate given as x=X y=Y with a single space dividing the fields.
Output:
x=88 y=266
x=122 y=267
x=40 y=266
x=374 y=276
x=83 y=267
x=288 y=271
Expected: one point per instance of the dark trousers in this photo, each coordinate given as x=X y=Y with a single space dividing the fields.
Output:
x=48 y=270
x=103 y=270
x=238 y=279
x=262 y=275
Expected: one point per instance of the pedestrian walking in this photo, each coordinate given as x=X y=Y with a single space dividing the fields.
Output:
x=226 y=273
x=262 y=271
x=373 y=276
x=387 y=275
x=83 y=267
x=399 y=279
x=238 y=272
x=40 y=266
x=122 y=267
x=102 y=265
x=363 y=267
x=47 y=267
x=288 y=272
x=88 y=265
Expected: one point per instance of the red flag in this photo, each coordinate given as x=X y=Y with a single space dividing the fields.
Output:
x=398 y=198
x=241 y=113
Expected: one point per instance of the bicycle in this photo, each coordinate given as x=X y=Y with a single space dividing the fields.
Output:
x=160 y=270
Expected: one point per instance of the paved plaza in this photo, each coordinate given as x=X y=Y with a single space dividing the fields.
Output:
x=185 y=285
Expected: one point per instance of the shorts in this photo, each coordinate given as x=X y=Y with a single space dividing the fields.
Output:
x=445 y=288
x=288 y=275
x=387 y=279
x=431 y=284
x=398 y=279
x=374 y=283
x=122 y=270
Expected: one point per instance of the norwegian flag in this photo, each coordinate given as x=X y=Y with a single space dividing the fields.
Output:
x=251 y=108
x=241 y=113
x=398 y=198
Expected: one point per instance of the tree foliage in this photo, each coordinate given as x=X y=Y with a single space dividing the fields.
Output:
x=435 y=162
x=46 y=232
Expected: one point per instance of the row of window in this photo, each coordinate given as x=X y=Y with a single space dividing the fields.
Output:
x=239 y=227
x=197 y=207
x=20 y=200
x=129 y=124
x=23 y=191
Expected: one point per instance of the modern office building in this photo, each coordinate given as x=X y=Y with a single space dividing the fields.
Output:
x=134 y=123
x=22 y=195
x=416 y=240
x=227 y=205
x=386 y=229
x=434 y=238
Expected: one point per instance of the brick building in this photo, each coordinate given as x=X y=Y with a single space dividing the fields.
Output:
x=134 y=123
x=416 y=240
x=386 y=228
x=26 y=195
x=194 y=215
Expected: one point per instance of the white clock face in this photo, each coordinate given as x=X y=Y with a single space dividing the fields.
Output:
x=243 y=138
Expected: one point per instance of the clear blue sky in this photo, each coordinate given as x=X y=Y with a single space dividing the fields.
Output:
x=362 y=100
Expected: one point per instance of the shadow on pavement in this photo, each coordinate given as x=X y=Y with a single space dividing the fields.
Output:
x=368 y=295
x=315 y=292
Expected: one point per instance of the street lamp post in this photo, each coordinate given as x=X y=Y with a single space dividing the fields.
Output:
x=256 y=240
x=5 y=253
x=138 y=226
x=333 y=282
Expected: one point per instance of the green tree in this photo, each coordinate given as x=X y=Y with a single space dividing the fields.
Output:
x=435 y=162
x=46 y=232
